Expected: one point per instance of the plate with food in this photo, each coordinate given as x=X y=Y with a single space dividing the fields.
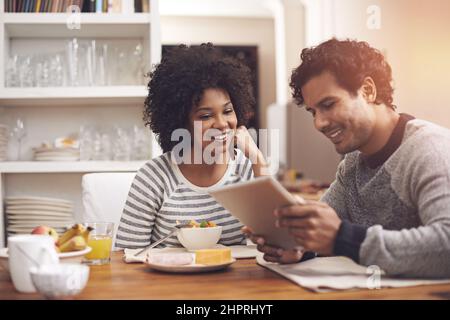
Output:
x=205 y=260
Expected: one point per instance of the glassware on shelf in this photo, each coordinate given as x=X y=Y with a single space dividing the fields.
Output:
x=26 y=77
x=83 y=62
x=91 y=56
x=42 y=72
x=137 y=60
x=18 y=133
x=101 y=146
x=72 y=49
x=141 y=144
x=121 y=149
x=102 y=74
x=56 y=70
x=86 y=142
x=12 y=71
x=4 y=133
x=117 y=144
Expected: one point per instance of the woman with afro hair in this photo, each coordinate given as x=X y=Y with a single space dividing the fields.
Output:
x=206 y=98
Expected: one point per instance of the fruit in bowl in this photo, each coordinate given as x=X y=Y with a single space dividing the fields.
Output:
x=46 y=231
x=71 y=246
x=203 y=224
x=74 y=239
x=200 y=237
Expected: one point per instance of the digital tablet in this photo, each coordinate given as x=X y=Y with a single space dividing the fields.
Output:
x=253 y=203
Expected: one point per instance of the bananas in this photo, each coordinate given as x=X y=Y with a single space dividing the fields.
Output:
x=76 y=243
x=76 y=230
x=86 y=232
x=74 y=239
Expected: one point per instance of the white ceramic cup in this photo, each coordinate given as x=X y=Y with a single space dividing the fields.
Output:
x=26 y=251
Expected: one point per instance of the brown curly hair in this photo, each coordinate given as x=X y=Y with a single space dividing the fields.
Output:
x=179 y=81
x=350 y=62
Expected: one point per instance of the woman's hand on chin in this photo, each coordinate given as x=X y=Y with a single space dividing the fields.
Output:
x=244 y=142
x=247 y=145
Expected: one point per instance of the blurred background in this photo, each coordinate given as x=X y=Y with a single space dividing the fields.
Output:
x=72 y=78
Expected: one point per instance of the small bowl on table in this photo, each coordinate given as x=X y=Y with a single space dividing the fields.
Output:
x=60 y=280
x=199 y=238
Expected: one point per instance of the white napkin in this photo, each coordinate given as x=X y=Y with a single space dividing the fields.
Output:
x=339 y=273
x=237 y=252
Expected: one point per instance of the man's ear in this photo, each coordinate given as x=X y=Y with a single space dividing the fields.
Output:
x=369 y=90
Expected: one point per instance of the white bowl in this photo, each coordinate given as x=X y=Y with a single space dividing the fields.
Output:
x=60 y=280
x=199 y=238
x=65 y=257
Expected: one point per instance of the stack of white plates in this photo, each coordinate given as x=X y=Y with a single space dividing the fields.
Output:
x=56 y=154
x=25 y=213
x=3 y=142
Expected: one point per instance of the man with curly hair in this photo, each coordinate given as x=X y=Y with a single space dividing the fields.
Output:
x=390 y=203
x=193 y=90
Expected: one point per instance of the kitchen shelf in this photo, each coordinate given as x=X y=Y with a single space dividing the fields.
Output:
x=53 y=25
x=88 y=18
x=69 y=166
x=36 y=96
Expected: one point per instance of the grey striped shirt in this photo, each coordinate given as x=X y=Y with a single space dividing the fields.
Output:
x=160 y=196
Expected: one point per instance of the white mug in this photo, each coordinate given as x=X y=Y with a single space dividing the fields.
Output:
x=26 y=251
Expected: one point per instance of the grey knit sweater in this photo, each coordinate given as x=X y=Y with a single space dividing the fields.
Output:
x=395 y=204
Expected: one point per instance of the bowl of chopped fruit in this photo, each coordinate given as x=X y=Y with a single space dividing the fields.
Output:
x=200 y=235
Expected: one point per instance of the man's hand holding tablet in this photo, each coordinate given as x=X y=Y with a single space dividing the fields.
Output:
x=274 y=253
x=268 y=210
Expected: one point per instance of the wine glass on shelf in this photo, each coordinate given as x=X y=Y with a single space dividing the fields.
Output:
x=12 y=73
x=19 y=132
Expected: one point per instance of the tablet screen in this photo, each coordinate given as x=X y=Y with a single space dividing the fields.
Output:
x=253 y=203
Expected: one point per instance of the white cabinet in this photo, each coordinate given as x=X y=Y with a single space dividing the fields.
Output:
x=52 y=112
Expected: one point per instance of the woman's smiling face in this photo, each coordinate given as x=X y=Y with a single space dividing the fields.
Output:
x=217 y=119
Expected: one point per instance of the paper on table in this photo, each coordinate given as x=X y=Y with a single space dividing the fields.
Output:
x=237 y=252
x=339 y=273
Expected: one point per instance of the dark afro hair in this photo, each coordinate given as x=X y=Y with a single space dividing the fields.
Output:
x=178 y=82
x=350 y=62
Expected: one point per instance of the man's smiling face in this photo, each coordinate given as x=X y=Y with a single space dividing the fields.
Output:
x=347 y=120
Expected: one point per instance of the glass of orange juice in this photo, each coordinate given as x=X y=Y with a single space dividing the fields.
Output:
x=100 y=240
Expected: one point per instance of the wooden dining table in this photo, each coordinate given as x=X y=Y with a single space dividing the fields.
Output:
x=243 y=280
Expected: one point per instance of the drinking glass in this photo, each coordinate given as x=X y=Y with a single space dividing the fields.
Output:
x=19 y=133
x=101 y=146
x=26 y=76
x=42 y=71
x=86 y=142
x=12 y=74
x=141 y=144
x=122 y=146
x=100 y=241
x=72 y=49
x=56 y=71
x=102 y=74
x=137 y=65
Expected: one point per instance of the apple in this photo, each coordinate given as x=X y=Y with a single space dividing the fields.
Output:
x=47 y=231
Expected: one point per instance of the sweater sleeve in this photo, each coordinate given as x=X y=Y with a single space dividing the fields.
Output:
x=141 y=207
x=423 y=182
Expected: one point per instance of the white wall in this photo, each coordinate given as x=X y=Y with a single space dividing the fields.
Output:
x=227 y=31
x=415 y=36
